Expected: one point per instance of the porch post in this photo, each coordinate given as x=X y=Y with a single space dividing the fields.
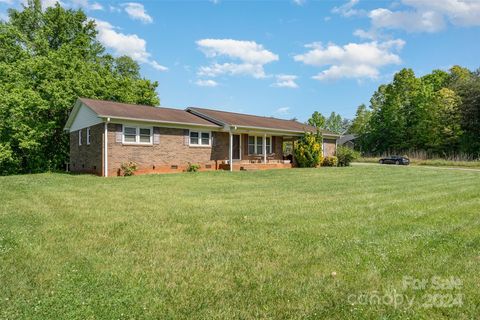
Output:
x=264 y=148
x=230 y=151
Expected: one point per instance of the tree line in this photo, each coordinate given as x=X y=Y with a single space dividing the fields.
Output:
x=437 y=114
x=48 y=58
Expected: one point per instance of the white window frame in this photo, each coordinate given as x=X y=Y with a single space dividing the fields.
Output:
x=88 y=136
x=200 y=144
x=80 y=137
x=269 y=145
x=137 y=135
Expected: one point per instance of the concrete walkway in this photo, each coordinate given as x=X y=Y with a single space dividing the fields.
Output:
x=415 y=166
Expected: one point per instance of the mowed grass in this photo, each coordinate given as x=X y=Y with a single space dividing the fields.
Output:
x=243 y=245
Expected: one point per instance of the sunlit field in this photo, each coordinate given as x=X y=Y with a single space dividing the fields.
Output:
x=333 y=243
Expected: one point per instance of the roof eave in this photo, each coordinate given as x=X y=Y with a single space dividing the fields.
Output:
x=73 y=114
x=111 y=117
x=297 y=132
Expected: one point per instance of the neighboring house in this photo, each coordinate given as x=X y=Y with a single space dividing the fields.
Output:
x=347 y=140
x=106 y=134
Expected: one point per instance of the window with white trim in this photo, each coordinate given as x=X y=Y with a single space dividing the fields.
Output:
x=137 y=135
x=88 y=135
x=80 y=137
x=269 y=144
x=255 y=144
x=200 y=138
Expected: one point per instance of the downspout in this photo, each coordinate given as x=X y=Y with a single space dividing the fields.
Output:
x=105 y=151
x=230 y=150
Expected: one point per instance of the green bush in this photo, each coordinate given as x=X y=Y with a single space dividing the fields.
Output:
x=346 y=155
x=193 y=167
x=330 y=161
x=129 y=168
x=8 y=162
x=308 y=150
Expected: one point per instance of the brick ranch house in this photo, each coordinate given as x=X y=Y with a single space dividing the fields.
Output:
x=105 y=134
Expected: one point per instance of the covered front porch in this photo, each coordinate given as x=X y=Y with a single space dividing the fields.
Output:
x=259 y=150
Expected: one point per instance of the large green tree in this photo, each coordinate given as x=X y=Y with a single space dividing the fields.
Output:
x=438 y=113
x=334 y=123
x=317 y=120
x=48 y=58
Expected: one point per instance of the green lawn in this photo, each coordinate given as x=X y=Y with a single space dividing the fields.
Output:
x=243 y=245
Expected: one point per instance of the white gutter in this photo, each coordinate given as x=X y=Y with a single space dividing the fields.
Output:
x=283 y=131
x=187 y=124
x=230 y=151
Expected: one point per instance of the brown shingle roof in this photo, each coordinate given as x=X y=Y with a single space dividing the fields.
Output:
x=147 y=113
x=251 y=121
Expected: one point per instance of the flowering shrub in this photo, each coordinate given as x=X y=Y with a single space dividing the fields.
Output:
x=308 y=150
x=129 y=168
x=330 y=161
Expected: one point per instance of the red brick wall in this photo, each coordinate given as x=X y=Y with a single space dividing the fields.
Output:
x=87 y=158
x=330 y=147
x=172 y=150
x=171 y=154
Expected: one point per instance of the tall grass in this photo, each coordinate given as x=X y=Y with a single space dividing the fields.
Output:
x=429 y=162
x=425 y=155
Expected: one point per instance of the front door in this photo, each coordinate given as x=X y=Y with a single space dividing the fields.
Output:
x=236 y=147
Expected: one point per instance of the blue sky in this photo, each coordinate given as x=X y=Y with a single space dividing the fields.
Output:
x=283 y=58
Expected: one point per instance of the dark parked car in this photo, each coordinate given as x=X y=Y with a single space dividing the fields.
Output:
x=395 y=160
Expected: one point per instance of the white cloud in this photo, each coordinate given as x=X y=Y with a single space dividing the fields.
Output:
x=248 y=51
x=156 y=65
x=96 y=6
x=363 y=34
x=114 y=9
x=459 y=12
x=285 y=81
x=348 y=9
x=252 y=57
x=353 y=60
x=136 y=11
x=125 y=44
x=9 y=2
x=234 y=69
x=412 y=21
x=428 y=16
x=85 y=4
x=299 y=2
x=206 y=83
x=283 y=111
